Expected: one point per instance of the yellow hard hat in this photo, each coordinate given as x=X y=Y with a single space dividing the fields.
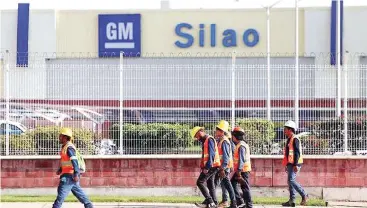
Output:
x=223 y=125
x=67 y=132
x=195 y=130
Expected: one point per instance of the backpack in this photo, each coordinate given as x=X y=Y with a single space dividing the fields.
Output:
x=81 y=162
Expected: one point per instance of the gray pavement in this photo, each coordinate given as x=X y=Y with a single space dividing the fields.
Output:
x=151 y=205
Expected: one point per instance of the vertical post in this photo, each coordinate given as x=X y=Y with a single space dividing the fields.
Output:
x=346 y=103
x=233 y=115
x=268 y=104
x=296 y=100
x=7 y=100
x=338 y=103
x=121 y=67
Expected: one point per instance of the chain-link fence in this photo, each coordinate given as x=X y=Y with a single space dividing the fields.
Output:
x=148 y=104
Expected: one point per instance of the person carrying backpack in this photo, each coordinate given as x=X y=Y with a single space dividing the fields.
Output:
x=71 y=166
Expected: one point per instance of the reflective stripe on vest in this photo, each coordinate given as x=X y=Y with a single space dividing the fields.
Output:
x=220 y=151
x=236 y=157
x=290 y=158
x=65 y=163
x=205 y=154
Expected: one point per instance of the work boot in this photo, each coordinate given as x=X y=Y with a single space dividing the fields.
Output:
x=202 y=204
x=240 y=203
x=233 y=204
x=223 y=204
x=289 y=203
x=211 y=204
x=249 y=205
x=304 y=200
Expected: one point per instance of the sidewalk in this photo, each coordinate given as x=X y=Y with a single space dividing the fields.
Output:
x=113 y=205
x=348 y=204
x=159 y=205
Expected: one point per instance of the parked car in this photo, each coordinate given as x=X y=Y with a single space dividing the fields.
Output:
x=15 y=128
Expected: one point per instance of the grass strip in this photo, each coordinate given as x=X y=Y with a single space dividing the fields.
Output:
x=149 y=199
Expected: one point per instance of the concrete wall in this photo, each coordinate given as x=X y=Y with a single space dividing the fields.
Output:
x=125 y=173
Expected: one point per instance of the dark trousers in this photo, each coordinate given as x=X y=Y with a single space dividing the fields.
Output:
x=208 y=191
x=226 y=186
x=245 y=189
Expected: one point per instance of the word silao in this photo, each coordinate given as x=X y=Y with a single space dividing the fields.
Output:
x=250 y=37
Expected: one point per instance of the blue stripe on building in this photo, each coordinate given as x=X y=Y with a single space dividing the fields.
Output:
x=22 y=34
x=334 y=31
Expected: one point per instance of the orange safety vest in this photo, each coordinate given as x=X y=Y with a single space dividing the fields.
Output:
x=220 y=151
x=290 y=158
x=205 y=154
x=65 y=163
x=236 y=157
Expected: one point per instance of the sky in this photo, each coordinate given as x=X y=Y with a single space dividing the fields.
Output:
x=174 y=4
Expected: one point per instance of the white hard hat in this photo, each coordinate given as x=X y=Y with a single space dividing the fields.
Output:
x=290 y=124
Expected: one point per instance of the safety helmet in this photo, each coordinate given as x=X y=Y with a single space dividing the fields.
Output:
x=290 y=124
x=195 y=130
x=238 y=129
x=67 y=132
x=223 y=125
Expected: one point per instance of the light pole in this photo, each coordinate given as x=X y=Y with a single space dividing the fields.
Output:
x=296 y=99
x=268 y=98
x=339 y=91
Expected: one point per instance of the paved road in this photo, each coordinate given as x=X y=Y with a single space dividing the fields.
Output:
x=151 y=205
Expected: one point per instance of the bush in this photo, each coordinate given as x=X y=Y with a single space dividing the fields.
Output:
x=259 y=134
x=328 y=136
x=18 y=145
x=153 y=138
x=312 y=145
x=160 y=138
x=45 y=141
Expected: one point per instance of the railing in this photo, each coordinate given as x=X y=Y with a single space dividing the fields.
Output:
x=148 y=105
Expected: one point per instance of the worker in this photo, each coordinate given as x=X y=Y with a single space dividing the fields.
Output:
x=293 y=161
x=69 y=172
x=242 y=168
x=210 y=163
x=226 y=160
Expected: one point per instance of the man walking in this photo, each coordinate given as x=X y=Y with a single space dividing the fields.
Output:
x=226 y=160
x=242 y=168
x=210 y=163
x=69 y=171
x=293 y=160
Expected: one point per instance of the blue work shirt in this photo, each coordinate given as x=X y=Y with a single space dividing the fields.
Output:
x=233 y=146
x=211 y=148
x=242 y=157
x=226 y=154
x=71 y=153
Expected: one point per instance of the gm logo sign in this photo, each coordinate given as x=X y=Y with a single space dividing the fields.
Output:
x=119 y=32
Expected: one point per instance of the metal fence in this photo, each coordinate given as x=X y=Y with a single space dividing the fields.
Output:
x=148 y=104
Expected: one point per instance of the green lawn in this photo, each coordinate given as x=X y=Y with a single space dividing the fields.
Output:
x=159 y=199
